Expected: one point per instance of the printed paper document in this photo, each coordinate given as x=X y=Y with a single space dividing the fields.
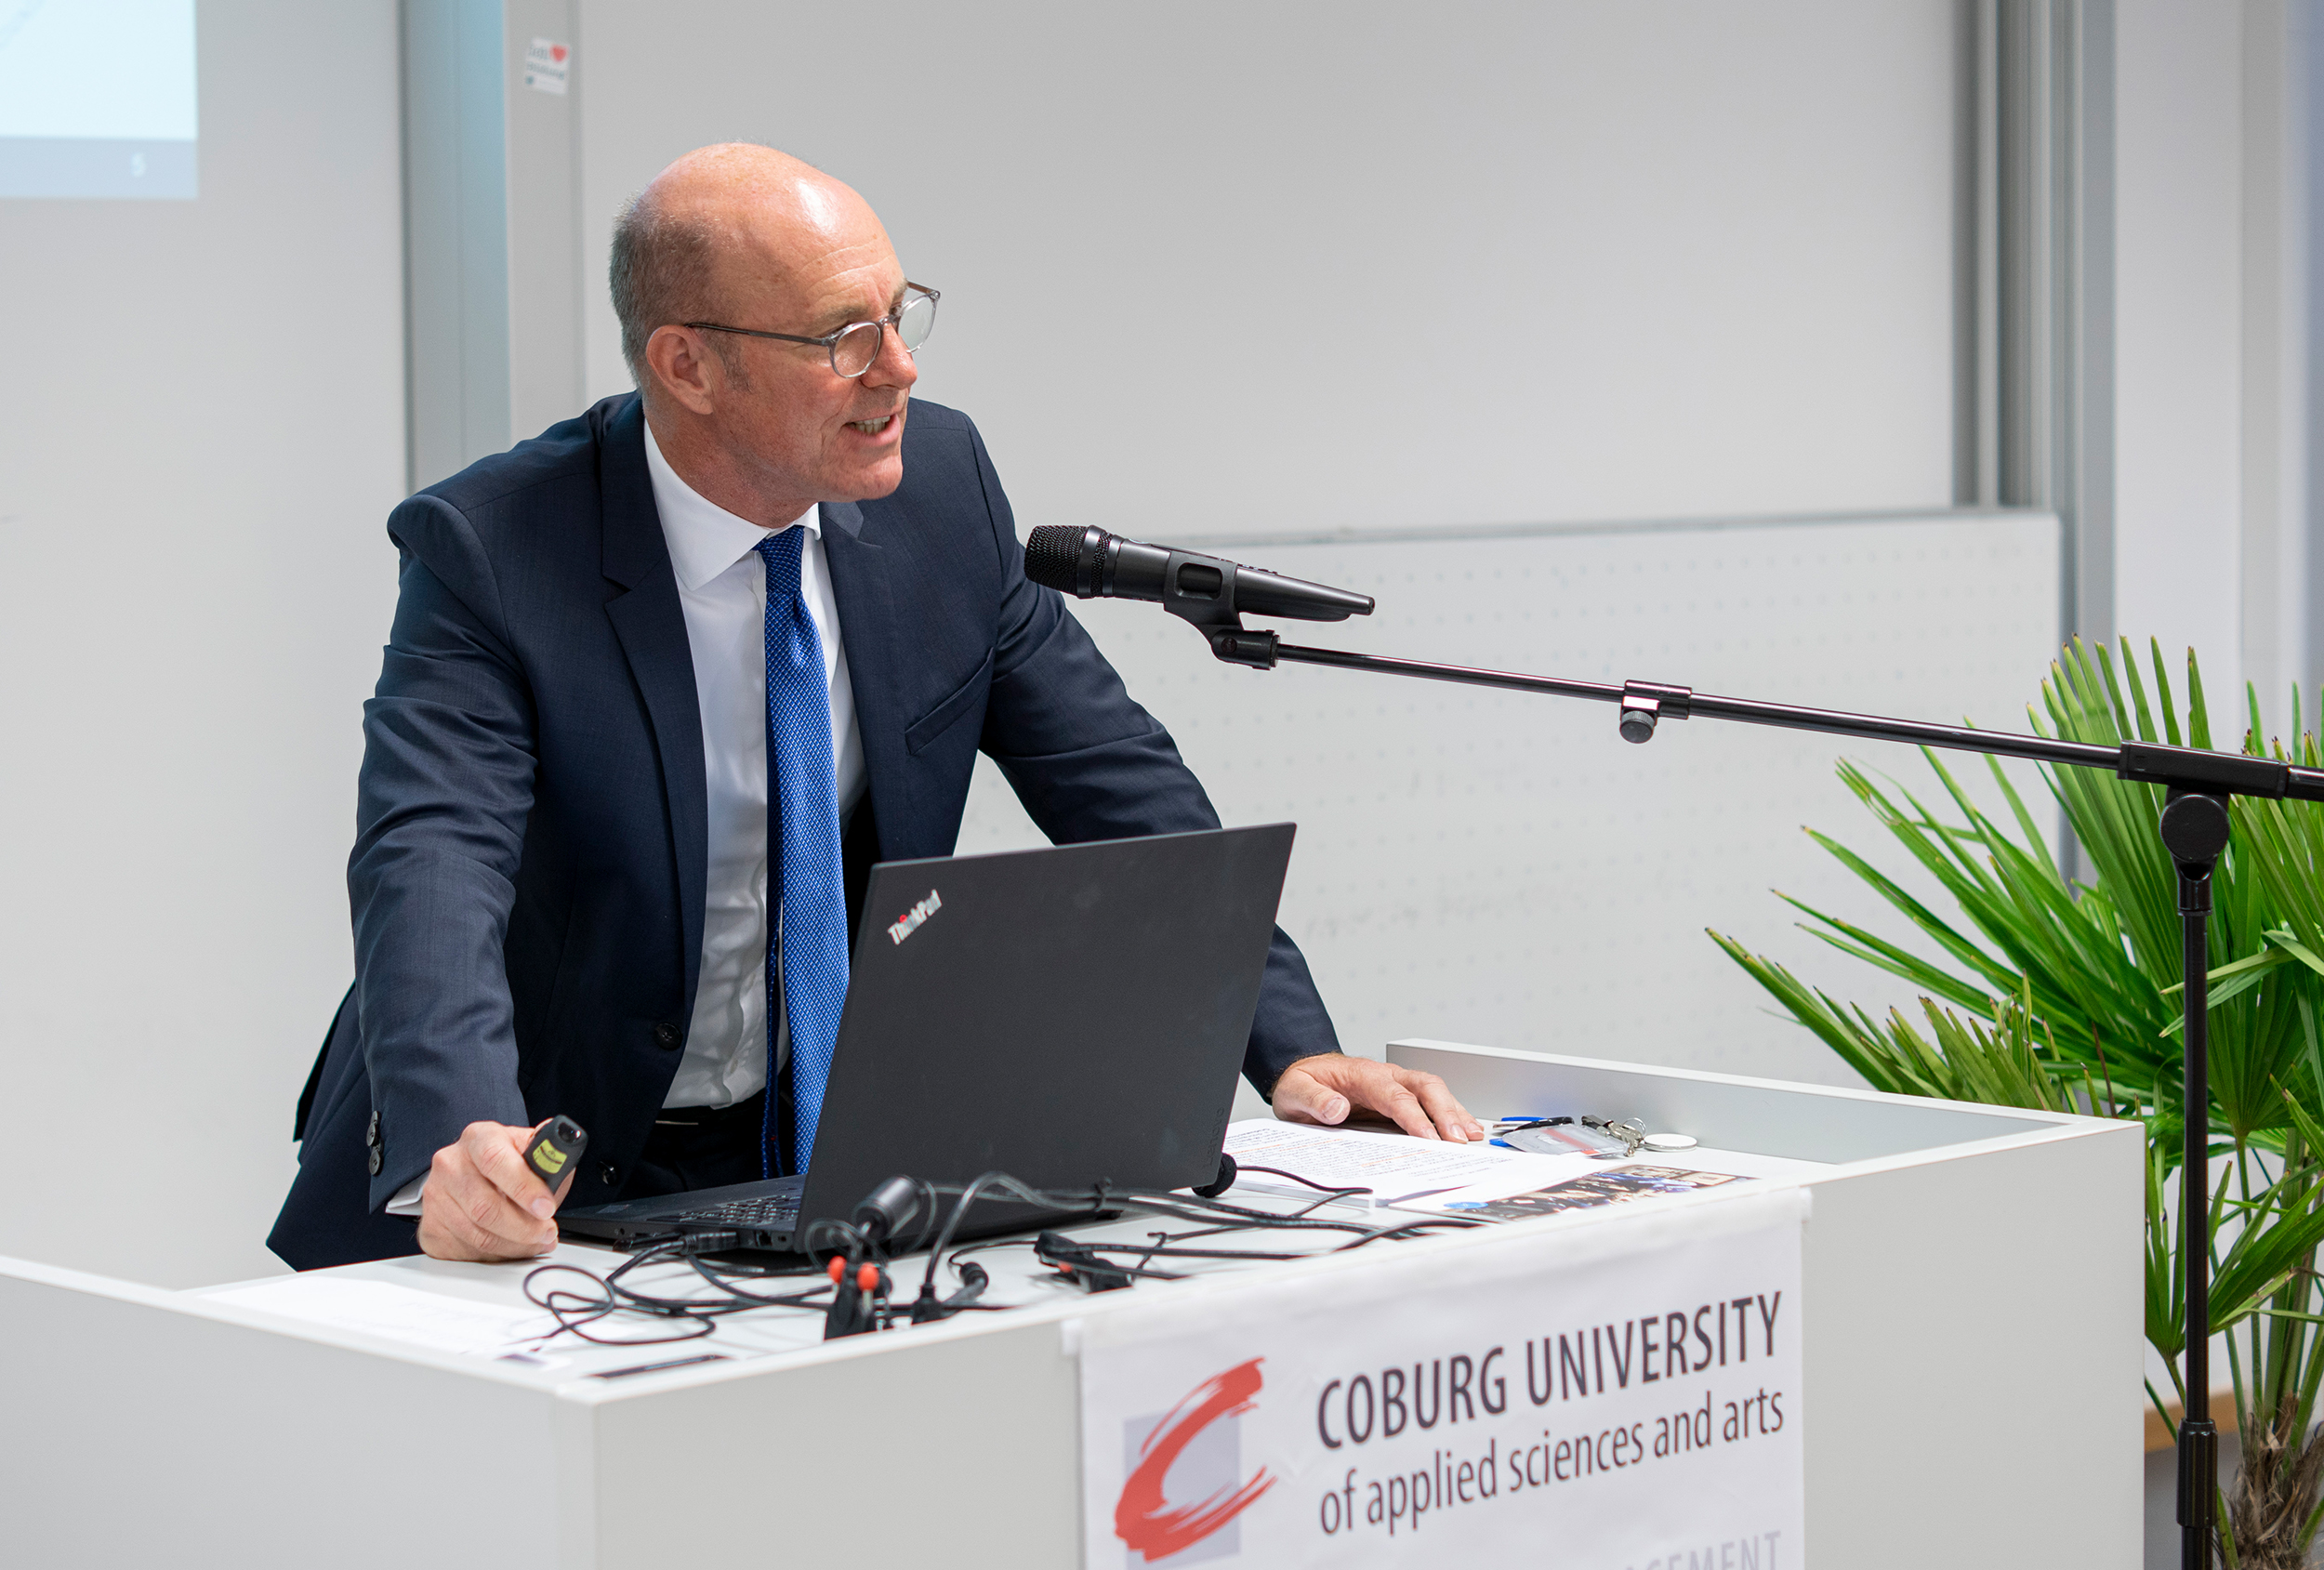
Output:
x=1397 y=1168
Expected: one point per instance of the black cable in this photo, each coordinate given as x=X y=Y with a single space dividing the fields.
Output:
x=575 y=1310
x=851 y=1237
x=1083 y=1262
x=787 y=1300
x=1188 y=1207
x=1165 y=1244
x=1215 y=1210
x=1166 y=1250
x=926 y=1192
x=970 y=1196
x=1220 y=1216
x=1377 y=1234
x=1305 y=1183
x=989 y=1242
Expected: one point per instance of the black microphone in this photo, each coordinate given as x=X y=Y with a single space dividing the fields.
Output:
x=1091 y=565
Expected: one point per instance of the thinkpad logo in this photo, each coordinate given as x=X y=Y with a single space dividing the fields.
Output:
x=909 y=922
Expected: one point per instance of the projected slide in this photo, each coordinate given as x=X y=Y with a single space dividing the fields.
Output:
x=97 y=97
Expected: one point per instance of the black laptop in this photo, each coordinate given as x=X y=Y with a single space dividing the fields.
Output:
x=1071 y=1016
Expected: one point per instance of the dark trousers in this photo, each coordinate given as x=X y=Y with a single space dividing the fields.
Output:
x=700 y=1147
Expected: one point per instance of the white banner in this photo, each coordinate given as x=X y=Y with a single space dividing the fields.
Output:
x=1620 y=1391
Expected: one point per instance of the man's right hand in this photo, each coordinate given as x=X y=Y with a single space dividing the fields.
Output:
x=483 y=1203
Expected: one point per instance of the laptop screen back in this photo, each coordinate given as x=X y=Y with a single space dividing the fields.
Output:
x=1065 y=1015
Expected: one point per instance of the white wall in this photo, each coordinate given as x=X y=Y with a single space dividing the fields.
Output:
x=1219 y=267
x=1211 y=269
x=1308 y=271
x=201 y=432
x=1502 y=867
x=2216 y=255
x=2178 y=354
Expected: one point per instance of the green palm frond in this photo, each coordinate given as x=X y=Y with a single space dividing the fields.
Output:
x=2068 y=997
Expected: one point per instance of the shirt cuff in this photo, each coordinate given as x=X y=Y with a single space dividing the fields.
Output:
x=406 y=1200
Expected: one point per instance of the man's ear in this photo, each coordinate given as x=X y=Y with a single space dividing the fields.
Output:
x=688 y=373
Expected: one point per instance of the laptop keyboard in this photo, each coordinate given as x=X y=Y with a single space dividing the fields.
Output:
x=773 y=1212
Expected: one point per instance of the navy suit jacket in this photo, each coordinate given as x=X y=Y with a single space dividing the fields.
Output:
x=527 y=877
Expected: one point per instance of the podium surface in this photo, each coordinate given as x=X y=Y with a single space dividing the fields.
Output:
x=1972 y=1354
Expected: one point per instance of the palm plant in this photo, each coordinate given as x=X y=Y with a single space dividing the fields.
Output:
x=2069 y=998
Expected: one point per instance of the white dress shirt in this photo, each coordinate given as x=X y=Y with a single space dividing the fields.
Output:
x=722 y=589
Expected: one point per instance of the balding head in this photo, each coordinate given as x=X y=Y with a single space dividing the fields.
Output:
x=767 y=249
x=721 y=231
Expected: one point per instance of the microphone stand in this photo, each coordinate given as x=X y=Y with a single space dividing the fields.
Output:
x=2194 y=827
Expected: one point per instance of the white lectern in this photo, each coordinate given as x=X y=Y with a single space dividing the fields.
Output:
x=1972 y=1349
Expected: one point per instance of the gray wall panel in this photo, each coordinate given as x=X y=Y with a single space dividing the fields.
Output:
x=1491 y=866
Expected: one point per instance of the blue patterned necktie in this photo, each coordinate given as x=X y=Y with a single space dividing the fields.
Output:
x=803 y=803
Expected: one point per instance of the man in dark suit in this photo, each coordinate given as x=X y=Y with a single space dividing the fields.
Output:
x=663 y=684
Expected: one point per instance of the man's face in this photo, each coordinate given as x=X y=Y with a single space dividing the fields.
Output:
x=798 y=426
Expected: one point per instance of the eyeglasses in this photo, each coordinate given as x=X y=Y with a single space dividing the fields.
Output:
x=855 y=347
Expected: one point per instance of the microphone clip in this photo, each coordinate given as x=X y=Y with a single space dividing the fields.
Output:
x=1237 y=645
x=1199 y=590
x=1645 y=703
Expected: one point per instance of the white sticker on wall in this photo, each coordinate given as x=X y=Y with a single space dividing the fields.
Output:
x=546 y=66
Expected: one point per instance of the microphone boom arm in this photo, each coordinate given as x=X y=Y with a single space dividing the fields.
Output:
x=2194 y=829
x=1645 y=704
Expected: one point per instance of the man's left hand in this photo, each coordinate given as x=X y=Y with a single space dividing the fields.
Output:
x=1325 y=1087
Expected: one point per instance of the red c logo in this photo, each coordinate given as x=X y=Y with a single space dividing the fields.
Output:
x=1142 y=1519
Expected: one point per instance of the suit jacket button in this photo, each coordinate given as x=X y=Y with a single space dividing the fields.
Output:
x=608 y=1174
x=665 y=1037
x=370 y=1136
x=375 y=1161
